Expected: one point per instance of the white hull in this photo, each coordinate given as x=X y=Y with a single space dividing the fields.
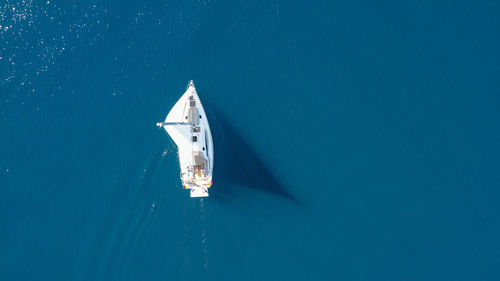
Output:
x=187 y=125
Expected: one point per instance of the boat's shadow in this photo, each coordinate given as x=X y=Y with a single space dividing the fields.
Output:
x=236 y=165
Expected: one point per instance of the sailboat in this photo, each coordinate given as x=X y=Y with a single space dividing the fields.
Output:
x=187 y=125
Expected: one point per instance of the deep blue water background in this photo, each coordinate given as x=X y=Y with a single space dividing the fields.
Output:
x=354 y=141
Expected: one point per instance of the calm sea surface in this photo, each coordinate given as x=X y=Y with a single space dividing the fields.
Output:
x=354 y=140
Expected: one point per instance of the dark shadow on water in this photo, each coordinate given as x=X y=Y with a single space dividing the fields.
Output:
x=236 y=165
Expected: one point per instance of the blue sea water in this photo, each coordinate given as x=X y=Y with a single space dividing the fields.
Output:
x=354 y=140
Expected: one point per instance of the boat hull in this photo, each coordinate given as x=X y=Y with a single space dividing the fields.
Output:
x=188 y=126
